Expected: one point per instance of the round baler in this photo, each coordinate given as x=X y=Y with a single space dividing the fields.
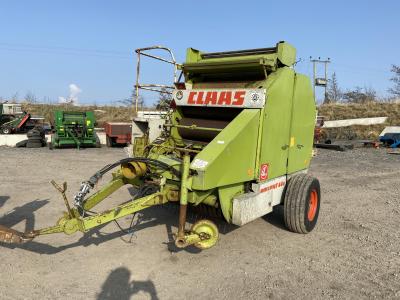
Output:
x=238 y=139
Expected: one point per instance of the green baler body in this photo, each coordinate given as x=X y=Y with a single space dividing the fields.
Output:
x=257 y=144
x=73 y=129
x=242 y=125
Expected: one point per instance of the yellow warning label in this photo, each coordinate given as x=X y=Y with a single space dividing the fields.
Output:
x=291 y=141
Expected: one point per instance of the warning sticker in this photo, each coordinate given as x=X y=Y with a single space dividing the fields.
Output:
x=264 y=172
x=199 y=164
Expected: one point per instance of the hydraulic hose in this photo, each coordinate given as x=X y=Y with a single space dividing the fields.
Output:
x=149 y=161
x=86 y=186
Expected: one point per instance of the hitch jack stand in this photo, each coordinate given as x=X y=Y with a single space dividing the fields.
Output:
x=63 y=191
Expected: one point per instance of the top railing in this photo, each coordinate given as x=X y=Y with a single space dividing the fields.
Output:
x=159 y=88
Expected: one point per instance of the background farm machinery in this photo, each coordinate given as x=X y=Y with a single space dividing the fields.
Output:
x=73 y=129
x=14 y=120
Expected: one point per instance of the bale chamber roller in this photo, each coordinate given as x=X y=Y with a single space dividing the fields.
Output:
x=238 y=141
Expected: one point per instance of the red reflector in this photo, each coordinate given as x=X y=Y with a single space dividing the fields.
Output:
x=173 y=104
x=180 y=85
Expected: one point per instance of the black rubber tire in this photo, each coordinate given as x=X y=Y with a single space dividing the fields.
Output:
x=299 y=191
x=5 y=130
x=33 y=134
x=39 y=129
x=35 y=138
x=21 y=144
x=33 y=144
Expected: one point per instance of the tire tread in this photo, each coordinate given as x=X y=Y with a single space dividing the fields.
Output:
x=295 y=202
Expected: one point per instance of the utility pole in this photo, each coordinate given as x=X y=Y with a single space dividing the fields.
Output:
x=320 y=81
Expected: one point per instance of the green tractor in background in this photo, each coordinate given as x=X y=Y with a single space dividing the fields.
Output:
x=73 y=129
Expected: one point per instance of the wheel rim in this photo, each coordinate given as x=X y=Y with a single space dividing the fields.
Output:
x=312 y=205
x=209 y=228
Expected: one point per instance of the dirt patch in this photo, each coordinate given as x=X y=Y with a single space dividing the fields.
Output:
x=353 y=253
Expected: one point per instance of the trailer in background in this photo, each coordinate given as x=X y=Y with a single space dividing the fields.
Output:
x=118 y=133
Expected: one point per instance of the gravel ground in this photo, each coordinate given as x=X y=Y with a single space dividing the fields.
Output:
x=354 y=252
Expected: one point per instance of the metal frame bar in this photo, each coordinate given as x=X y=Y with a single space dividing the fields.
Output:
x=106 y=191
x=72 y=225
x=194 y=127
x=257 y=51
x=177 y=148
x=183 y=200
x=153 y=87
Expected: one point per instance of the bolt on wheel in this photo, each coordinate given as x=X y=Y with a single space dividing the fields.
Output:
x=207 y=231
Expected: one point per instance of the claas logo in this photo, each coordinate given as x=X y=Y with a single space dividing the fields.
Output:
x=216 y=98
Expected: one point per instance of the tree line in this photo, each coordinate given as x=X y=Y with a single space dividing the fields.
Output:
x=360 y=95
x=334 y=94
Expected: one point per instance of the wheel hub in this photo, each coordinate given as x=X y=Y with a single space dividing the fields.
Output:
x=312 y=205
x=208 y=233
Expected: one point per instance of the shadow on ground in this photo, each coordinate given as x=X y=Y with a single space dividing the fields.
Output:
x=22 y=213
x=3 y=200
x=276 y=218
x=119 y=286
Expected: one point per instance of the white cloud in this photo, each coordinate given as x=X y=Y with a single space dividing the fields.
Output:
x=62 y=99
x=74 y=91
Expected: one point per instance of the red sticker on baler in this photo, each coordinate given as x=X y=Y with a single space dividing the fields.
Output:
x=264 y=172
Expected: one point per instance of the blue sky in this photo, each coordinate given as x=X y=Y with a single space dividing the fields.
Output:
x=45 y=46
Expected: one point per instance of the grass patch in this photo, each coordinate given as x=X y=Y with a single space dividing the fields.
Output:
x=353 y=111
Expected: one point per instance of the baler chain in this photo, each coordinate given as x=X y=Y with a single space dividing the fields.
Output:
x=206 y=210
